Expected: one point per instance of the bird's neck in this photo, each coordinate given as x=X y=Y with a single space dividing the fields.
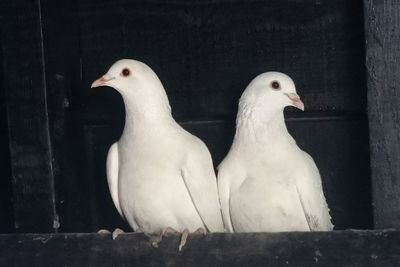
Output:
x=267 y=130
x=147 y=117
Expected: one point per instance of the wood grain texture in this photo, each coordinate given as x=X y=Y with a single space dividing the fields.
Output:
x=382 y=24
x=6 y=209
x=332 y=249
x=30 y=146
x=63 y=78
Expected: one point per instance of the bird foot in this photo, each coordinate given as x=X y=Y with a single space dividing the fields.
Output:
x=156 y=239
x=184 y=237
x=116 y=233
x=200 y=231
x=103 y=232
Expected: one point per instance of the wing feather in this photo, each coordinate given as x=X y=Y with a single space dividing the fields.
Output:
x=112 y=175
x=199 y=177
x=112 y=179
x=311 y=195
x=224 y=195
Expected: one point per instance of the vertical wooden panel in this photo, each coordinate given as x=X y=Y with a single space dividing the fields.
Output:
x=30 y=145
x=382 y=24
x=60 y=21
x=6 y=210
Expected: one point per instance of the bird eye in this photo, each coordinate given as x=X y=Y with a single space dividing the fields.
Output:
x=126 y=72
x=275 y=85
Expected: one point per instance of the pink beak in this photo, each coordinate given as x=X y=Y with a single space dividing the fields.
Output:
x=296 y=101
x=102 y=81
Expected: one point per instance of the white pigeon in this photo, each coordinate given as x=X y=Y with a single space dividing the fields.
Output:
x=266 y=182
x=161 y=178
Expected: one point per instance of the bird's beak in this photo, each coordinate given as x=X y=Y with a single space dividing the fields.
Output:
x=102 y=81
x=296 y=101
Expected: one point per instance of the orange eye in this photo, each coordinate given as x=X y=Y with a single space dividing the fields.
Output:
x=126 y=72
x=275 y=85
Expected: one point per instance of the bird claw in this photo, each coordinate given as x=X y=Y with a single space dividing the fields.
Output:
x=154 y=243
x=103 y=232
x=200 y=231
x=156 y=239
x=169 y=231
x=116 y=233
x=184 y=237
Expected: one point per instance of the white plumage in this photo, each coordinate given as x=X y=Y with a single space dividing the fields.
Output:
x=159 y=175
x=266 y=182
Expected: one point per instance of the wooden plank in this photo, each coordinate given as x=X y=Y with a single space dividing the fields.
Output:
x=6 y=211
x=342 y=159
x=382 y=27
x=332 y=249
x=60 y=22
x=206 y=54
x=30 y=147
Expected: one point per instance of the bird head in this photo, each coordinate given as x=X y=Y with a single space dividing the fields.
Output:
x=127 y=75
x=137 y=83
x=271 y=91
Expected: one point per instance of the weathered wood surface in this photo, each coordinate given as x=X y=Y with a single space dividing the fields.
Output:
x=331 y=249
x=382 y=27
x=61 y=39
x=30 y=144
x=6 y=210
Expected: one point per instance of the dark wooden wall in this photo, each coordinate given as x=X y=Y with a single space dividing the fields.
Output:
x=205 y=53
x=382 y=25
x=6 y=207
x=26 y=99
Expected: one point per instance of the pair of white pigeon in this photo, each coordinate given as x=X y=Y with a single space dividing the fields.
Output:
x=162 y=180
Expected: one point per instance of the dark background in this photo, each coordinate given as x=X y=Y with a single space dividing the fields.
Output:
x=205 y=53
x=6 y=208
